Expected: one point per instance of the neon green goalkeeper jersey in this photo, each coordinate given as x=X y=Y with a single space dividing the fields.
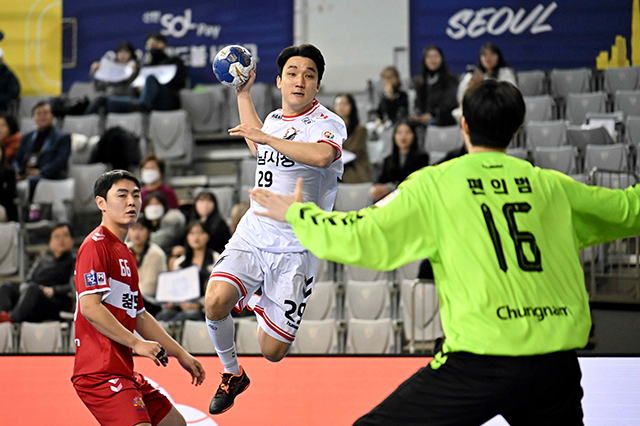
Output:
x=503 y=238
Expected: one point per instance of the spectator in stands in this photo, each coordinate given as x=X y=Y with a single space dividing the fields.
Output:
x=393 y=104
x=9 y=136
x=9 y=85
x=152 y=174
x=237 y=212
x=196 y=253
x=358 y=170
x=154 y=95
x=167 y=225
x=151 y=260
x=436 y=88
x=43 y=153
x=405 y=159
x=8 y=210
x=125 y=55
x=491 y=64
x=48 y=289
x=207 y=213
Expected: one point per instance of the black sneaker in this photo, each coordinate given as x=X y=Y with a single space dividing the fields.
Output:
x=230 y=387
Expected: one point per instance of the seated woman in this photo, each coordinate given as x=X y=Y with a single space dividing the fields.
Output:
x=8 y=209
x=152 y=176
x=198 y=254
x=9 y=136
x=125 y=55
x=167 y=225
x=405 y=159
x=358 y=170
x=393 y=104
x=151 y=260
x=206 y=212
x=491 y=64
x=436 y=89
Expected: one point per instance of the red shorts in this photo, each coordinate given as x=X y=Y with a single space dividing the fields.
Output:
x=122 y=401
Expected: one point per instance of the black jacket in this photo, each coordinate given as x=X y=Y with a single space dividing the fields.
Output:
x=9 y=86
x=437 y=99
x=392 y=172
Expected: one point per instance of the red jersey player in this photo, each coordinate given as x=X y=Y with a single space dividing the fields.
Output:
x=109 y=310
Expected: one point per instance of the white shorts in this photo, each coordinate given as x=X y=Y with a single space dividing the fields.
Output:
x=286 y=279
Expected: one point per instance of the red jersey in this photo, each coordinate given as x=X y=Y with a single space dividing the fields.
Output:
x=105 y=265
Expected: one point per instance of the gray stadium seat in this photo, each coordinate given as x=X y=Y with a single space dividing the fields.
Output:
x=248 y=171
x=204 y=109
x=580 y=104
x=632 y=130
x=539 y=108
x=408 y=271
x=170 y=136
x=564 y=82
x=520 y=153
x=352 y=196
x=363 y=274
x=443 y=138
x=370 y=336
x=545 y=134
x=131 y=121
x=45 y=337
x=10 y=256
x=82 y=89
x=316 y=337
x=325 y=271
x=322 y=303
x=426 y=318
x=627 y=78
x=247 y=336
x=562 y=158
x=580 y=138
x=59 y=193
x=85 y=176
x=261 y=96
x=532 y=83
x=6 y=338
x=627 y=101
x=609 y=157
x=367 y=299
x=195 y=338
x=88 y=125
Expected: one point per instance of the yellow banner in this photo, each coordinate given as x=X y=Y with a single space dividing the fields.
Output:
x=32 y=44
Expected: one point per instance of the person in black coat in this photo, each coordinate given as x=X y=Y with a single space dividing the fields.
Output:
x=7 y=190
x=436 y=88
x=405 y=159
x=206 y=212
x=9 y=85
x=48 y=289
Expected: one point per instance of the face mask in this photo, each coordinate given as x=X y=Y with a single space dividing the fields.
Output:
x=153 y=212
x=156 y=54
x=149 y=176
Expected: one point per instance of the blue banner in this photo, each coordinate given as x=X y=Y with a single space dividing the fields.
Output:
x=196 y=30
x=543 y=34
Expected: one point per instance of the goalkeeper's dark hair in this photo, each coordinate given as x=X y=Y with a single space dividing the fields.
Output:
x=494 y=111
x=306 y=51
x=106 y=181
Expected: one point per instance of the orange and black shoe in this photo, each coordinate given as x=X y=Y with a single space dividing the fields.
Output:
x=230 y=387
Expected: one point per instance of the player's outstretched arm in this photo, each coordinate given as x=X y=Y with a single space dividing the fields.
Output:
x=98 y=315
x=247 y=110
x=149 y=328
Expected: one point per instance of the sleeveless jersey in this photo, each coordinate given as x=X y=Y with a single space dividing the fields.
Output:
x=279 y=174
x=105 y=265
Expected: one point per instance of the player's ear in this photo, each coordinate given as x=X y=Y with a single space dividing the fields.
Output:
x=278 y=82
x=464 y=125
x=318 y=87
x=101 y=203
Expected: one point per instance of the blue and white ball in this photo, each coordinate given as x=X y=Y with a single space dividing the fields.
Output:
x=232 y=65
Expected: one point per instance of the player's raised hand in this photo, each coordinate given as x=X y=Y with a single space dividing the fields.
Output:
x=152 y=350
x=248 y=131
x=276 y=204
x=244 y=89
x=194 y=368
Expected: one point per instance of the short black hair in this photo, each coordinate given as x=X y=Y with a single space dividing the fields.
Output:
x=125 y=45
x=106 y=181
x=39 y=104
x=156 y=36
x=62 y=225
x=12 y=123
x=494 y=111
x=306 y=51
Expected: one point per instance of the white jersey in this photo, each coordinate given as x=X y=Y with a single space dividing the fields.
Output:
x=279 y=174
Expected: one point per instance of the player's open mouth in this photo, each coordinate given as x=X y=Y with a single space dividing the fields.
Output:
x=131 y=213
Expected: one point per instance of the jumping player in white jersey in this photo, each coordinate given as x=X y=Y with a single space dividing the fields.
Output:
x=303 y=139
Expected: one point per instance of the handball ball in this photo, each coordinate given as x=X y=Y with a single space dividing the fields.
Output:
x=232 y=65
